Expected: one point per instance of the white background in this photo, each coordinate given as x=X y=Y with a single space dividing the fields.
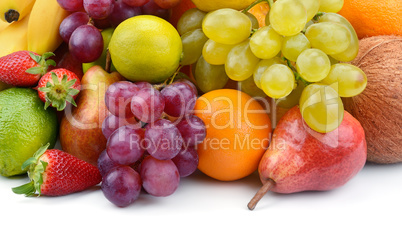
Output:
x=372 y=200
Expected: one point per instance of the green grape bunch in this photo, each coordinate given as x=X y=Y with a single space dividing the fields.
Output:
x=298 y=58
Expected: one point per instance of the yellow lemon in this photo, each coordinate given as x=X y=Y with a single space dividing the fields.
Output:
x=145 y=48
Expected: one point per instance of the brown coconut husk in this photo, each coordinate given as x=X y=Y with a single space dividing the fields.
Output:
x=379 y=106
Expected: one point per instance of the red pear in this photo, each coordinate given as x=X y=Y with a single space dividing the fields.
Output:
x=81 y=127
x=301 y=159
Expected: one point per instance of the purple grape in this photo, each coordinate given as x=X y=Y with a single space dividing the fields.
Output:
x=102 y=23
x=135 y=2
x=124 y=145
x=98 y=9
x=159 y=177
x=105 y=163
x=121 y=185
x=112 y=122
x=189 y=83
x=71 y=5
x=118 y=98
x=86 y=43
x=179 y=99
x=147 y=105
x=121 y=12
x=69 y=24
x=162 y=139
x=167 y=4
x=186 y=161
x=143 y=84
x=152 y=8
x=192 y=129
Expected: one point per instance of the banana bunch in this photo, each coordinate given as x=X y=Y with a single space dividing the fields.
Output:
x=36 y=29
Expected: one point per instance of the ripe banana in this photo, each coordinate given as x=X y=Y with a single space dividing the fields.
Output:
x=43 y=26
x=15 y=10
x=14 y=37
x=3 y=25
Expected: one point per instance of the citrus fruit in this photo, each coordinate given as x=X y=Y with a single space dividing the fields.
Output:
x=238 y=132
x=210 y=5
x=25 y=126
x=371 y=18
x=145 y=48
x=260 y=11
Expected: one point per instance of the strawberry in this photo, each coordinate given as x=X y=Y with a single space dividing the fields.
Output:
x=57 y=173
x=24 y=68
x=58 y=87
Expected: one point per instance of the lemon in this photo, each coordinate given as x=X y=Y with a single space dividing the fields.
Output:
x=25 y=126
x=210 y=5
x=145 y=48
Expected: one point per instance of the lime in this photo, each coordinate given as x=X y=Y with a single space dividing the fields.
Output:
x=25 y=126
x=145 y=48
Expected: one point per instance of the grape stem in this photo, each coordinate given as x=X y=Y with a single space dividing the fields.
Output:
x=270 y=2
x=108 y=61
x=297 y=75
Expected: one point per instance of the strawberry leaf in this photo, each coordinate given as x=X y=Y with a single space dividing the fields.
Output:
x=34 y=70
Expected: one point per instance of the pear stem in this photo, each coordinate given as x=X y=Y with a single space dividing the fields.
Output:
x=108 y=61
x=263 y=190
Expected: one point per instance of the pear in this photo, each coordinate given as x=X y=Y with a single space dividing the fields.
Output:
x=81 y=127
x=301 y=159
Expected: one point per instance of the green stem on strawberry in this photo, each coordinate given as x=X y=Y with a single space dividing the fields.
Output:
x=35 y=171
x=59 y=92
x=43 y=61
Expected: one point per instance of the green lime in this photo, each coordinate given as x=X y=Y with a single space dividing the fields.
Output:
x=25 y=126
x=146 y=48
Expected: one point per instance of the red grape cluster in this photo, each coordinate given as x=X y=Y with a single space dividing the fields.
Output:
x=145 y=149
x=80 y=30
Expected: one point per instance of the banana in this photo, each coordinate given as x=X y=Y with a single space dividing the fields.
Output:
x=14 y=37
x=3 y=25
x=15 y=10
x=43 y=26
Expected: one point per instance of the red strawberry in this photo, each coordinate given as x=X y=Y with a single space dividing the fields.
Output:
x=58 y=87
x=57 y=173
x=24 y=68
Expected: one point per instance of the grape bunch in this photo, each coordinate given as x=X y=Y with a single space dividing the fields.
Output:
x=151 y=139
x=297 y=58
x=81 y=29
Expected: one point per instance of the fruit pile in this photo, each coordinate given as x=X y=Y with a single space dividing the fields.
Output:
x=141 y=94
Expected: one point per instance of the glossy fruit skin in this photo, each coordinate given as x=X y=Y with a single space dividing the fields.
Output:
x=306 y=160
x=81 y=127
x=230 y=161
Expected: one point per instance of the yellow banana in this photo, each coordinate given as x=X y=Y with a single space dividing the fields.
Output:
x=43 y=26
x=14 y=37
x=15 y=10
x=3 y=25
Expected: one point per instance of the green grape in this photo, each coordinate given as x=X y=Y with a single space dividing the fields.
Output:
x=351 y=52
x=216 y=53
x=265 y=43
x=312 y=7
x=292 y=46
x=321 y=107
x=333 y=60
x=227 y=26
x=292 y=99
x=262 y=66
x=330 y=37
x=254 y=21
x=277 y=81
x=288 y=17
x=190 y=20
x=347 y=79
x=209 y=77
x=193 y=42
x=331 y=5
x=248 y=86
x=313 y=65
x=241 y=62
x=267 y=22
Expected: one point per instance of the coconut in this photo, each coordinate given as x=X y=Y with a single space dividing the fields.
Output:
x=379 y=106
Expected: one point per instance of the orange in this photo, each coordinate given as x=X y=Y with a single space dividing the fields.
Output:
x=260 y=11
x=373 y=17
x=238 y=133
